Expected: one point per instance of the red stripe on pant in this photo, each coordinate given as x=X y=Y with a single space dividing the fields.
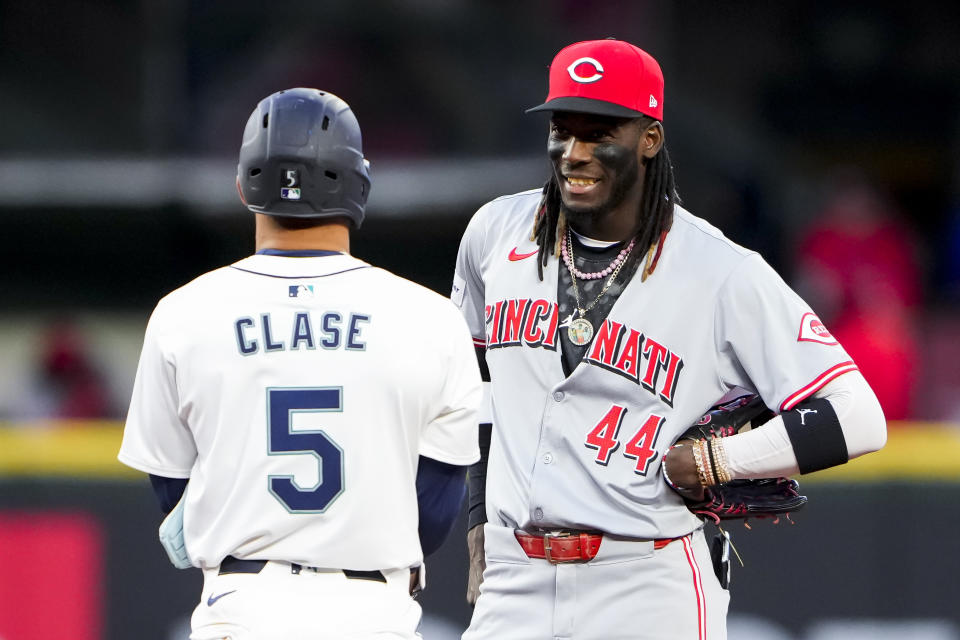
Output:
x=698 y=588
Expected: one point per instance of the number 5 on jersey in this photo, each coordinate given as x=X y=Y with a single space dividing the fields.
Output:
x=604 y=437
x=282 y=403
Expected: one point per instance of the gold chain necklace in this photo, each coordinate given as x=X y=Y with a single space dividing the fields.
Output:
x=580 y=331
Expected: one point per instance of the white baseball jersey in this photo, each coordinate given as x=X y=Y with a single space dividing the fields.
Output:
x=584 y=451
x=297 y=394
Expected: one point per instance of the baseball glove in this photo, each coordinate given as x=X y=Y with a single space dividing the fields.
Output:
x=739 y=499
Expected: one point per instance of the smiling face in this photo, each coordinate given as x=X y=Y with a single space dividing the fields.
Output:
x=598 y=162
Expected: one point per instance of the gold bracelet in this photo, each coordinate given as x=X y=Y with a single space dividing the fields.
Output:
x=702 y=459
x=708 y=473
x=708 y=444
x=711 y=471
x=726 y=464
x=720 y=459
x=698 y=461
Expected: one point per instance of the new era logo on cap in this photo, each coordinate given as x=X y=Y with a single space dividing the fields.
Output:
x=606 y=77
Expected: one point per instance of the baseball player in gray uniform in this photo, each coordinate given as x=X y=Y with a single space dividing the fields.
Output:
x=608 y=320
x=320 y=412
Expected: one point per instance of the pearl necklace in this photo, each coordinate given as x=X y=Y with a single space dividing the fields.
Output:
x=579 y=330
x=568 y=260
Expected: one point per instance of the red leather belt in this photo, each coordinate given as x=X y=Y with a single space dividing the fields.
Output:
x=563 y=547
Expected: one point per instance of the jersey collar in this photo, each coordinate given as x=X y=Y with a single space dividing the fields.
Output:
x=314 y=265
x=298 y=253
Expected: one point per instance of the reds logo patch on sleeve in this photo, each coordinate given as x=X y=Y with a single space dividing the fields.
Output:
x=812 y=330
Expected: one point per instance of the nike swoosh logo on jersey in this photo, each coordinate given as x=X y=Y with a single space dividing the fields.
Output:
x=212 y=599
x=514 y=256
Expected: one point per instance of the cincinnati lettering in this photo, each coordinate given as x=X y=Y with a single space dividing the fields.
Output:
x=511 y=323
x=616 y=347
x=627 y=352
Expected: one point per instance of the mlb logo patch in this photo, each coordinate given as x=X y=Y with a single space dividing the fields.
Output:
x=301 y=291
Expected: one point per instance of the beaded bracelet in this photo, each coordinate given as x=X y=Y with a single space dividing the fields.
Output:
x=698 y=461
x=709 y=472
x=702 y=460
x=722 y=469
x=708 y=443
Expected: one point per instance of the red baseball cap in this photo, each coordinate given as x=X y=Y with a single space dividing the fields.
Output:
x=606 y=77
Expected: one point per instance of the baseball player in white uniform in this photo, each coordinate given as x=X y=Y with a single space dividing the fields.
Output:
x=609 y=319
x=322 y=410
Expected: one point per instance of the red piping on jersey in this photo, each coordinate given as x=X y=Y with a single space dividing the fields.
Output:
x=818 y=383
x=698 y=589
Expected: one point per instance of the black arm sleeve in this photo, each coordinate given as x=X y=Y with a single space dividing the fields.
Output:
x=815 y=433
x=477 y=477
x=477 y=480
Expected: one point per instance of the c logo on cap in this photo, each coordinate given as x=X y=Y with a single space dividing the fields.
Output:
x=597 y=67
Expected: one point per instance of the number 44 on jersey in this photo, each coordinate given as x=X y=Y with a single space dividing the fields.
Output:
x=605 y=438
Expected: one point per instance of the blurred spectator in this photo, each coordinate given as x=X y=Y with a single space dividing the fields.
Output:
x=67 y=383
x=857 y=266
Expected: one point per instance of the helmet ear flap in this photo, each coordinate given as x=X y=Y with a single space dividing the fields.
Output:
x=240 y=192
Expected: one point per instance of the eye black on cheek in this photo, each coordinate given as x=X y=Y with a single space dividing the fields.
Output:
x=614 y=156
x=555 y=148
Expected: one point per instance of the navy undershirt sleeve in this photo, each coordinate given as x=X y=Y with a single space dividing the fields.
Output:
x=168 y=490
x=441 y=488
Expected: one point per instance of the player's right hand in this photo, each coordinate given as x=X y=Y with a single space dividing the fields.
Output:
x=681 y=469
x=477 y=563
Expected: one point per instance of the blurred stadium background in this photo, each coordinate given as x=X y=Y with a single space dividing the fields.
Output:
x=825 y=135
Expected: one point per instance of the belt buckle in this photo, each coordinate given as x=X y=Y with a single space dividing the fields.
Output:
x=546 y=546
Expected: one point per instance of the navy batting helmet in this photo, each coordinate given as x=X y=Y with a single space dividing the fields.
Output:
x=302 y=157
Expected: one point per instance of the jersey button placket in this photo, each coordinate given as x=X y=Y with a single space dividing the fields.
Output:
x=545 y=457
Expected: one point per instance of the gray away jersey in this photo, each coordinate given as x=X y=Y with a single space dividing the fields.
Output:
x=584 y=451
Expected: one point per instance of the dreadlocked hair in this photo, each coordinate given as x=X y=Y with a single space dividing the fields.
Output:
x=656 y=213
